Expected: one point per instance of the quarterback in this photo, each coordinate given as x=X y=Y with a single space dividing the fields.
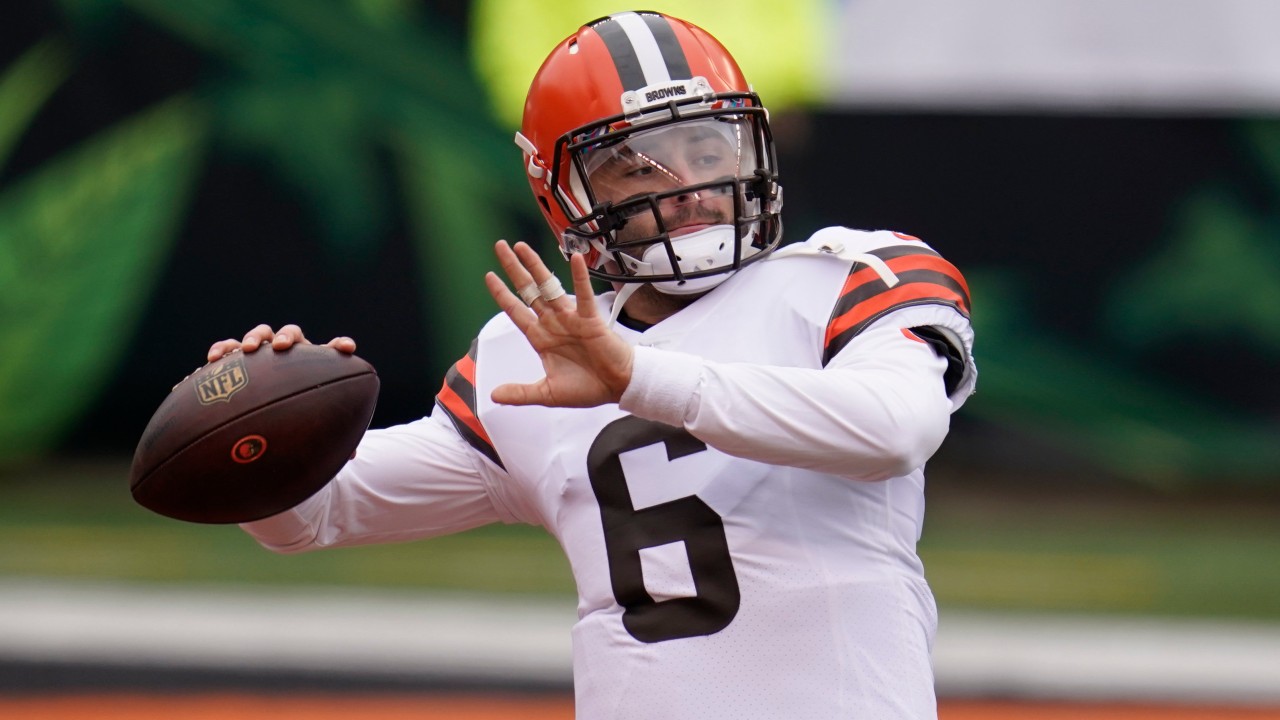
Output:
x=729 y=444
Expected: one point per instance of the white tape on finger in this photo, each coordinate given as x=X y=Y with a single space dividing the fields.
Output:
x=550 y=289
x=529 y=293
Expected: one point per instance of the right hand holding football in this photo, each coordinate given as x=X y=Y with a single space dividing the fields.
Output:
x=288 y=336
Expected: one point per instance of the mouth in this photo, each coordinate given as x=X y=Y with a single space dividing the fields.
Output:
x=688 y=229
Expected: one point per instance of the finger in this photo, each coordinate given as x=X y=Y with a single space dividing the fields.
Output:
x=343 y=344
x=511 y=265
x=255 y=337
x=289 y=336
x=515 y=394
x=510 y=304
x=538 y=271
x=221 y=349
x=582 y=290
x=515 y=271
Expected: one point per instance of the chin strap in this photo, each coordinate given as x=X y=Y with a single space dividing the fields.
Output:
x=833 y=247
x=621 y=299
x=880 y=267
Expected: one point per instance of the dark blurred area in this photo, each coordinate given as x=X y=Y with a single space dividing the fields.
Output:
x=1121 y=264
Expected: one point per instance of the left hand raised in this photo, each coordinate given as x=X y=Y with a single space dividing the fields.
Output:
x=586 y=363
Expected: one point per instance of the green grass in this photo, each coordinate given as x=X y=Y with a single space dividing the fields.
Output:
x=1118 y=554
x=991 y=550
x=80 y=522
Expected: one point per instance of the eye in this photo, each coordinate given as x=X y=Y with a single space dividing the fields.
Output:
x=708 y=160
x=639 y=171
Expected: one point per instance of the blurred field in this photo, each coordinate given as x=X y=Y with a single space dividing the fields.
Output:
x=1086 y=547
x=1029 y=549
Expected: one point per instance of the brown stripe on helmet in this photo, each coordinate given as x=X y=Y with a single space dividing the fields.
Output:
x=623 y=53
x=672 y=53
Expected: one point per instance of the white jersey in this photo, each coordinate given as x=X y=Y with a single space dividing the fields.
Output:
x=742 y=525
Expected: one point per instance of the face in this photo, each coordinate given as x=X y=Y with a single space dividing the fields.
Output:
x=667 y=159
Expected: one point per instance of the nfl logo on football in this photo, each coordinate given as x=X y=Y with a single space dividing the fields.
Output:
x=223 y=383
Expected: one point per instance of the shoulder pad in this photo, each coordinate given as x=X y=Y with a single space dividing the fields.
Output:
x=833 y=247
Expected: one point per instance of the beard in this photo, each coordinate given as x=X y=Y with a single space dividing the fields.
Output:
x=650 y=305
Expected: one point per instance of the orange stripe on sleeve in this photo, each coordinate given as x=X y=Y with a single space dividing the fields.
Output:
x=902 y=264
x=466 y=367
x=899 y=295
x=459 y=410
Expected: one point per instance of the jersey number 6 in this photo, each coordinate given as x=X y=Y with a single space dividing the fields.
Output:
x=688 y=519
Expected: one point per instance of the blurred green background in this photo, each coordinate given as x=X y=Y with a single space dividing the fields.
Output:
x=173 y=173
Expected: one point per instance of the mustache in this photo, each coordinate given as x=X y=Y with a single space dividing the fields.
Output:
x=694 y=213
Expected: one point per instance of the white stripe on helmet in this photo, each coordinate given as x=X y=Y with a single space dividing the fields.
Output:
x=646 y=47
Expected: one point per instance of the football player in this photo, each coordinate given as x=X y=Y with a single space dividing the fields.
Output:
x=729 y=445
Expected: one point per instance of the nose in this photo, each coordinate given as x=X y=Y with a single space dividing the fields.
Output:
x=687 y=197
x=681 y=207
x=707 y=196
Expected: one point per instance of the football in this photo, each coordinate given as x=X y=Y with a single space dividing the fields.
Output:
x=253 y=434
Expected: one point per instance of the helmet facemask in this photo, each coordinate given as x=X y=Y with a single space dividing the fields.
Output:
x=680 y=196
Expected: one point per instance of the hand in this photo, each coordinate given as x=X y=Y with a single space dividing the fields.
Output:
x=586 y=363
x=288 y=336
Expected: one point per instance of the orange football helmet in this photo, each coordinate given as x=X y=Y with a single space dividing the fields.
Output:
x=637 y=113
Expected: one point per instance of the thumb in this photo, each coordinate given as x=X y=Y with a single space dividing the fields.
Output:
x=516 y=394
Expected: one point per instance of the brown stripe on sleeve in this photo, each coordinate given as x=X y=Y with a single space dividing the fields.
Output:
x=924 y=278
x=457 y=397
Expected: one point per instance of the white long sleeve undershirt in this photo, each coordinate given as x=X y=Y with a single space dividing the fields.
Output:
x=878 y=410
